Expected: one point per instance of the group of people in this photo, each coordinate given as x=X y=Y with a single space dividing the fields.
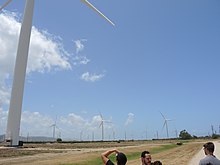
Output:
x=121 y=158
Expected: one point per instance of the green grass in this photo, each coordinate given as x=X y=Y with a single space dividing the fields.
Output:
x=136 y=155
x=130 y=156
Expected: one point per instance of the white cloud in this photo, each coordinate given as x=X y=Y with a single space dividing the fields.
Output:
x=73 y=119
x=46 y=52
x=91 y=77
x=78 y=122
x=80 y=60
x=130 y=119
x=36 y=117
x=70 y=126
x=4 y=94
x=73 y=125
x=79 y=45
x=36 y=124
x=96 y=120
x=3 y=120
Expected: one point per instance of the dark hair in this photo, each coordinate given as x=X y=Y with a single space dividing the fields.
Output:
x=121 y=158
x=209 y=146
x=143 y=153
x=157 y=162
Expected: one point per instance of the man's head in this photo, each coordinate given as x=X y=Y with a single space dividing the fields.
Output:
x=145 y=158
x=121 y=158
x=209 y=148
x=157 y=162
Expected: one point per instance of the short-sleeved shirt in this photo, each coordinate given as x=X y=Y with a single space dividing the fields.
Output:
x=109 y=162
x=209 y=159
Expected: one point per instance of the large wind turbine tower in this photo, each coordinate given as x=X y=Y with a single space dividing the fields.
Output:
x=14 y=115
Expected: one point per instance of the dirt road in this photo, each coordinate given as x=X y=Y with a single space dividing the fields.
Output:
x=195 y=160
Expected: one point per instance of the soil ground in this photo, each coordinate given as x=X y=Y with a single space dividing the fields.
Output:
x=57 y=154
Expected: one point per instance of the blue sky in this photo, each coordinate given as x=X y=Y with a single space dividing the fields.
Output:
x=161 y=56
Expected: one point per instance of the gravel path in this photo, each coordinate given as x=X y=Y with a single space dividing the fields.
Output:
x=195 y=160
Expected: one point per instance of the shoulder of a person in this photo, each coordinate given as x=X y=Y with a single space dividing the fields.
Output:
x=109 y=162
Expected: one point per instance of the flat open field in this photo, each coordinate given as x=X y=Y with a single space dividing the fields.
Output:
x=89 y=153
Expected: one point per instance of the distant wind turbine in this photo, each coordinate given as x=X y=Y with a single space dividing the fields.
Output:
x=54 y=126
x=113 y=134
x=102 y=125
x=14 y=115
x=165 y=124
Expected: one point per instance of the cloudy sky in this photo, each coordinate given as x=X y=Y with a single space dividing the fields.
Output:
x=162 y=56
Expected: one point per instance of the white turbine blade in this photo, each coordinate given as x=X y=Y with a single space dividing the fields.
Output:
x=163 y=116
x=101 y=116
x=99 y=12
x=101 y=124
x=52 y=125
x=107 y=121
x=5 y=4
x=164 y=124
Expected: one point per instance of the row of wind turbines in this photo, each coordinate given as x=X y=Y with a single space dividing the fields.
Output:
x=14 y=115
x=102 y=124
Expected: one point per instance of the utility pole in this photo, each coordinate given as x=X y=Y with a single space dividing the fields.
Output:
x=146 y=133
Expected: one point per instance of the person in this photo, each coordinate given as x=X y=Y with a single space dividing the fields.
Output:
x=146 y=158
x=157 y=162
x=210 y=157
x=120 y=157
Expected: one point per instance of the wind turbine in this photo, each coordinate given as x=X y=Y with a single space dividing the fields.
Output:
x=14 y=115
x=54 y=126
x=102 y=125
x=165 y=124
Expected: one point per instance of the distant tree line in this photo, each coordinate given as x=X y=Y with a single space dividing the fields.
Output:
x=186 y=135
